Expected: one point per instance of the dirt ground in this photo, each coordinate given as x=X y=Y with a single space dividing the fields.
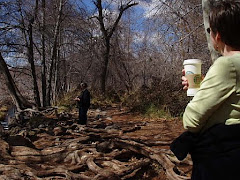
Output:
x=115 y=144
x=152 y=130
x=157 y=129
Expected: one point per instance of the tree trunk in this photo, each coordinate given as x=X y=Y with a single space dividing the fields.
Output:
x=205 y=7
x=28 y=36
x=107 y=35
x=56 y=86
x=43 y=72
x=54 y=52
x=64 y=66
x=33 y=70
x=105 y=65
x=20 y=102
x=31 y=57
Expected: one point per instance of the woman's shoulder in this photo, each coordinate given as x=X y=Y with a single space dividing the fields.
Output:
x=223 y=67
x=228 y=60
x=226 y=63
x=222 y=60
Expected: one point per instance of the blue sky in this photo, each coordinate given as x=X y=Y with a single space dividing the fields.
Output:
x=89 y=4
x=141 y=13
x=143 y=10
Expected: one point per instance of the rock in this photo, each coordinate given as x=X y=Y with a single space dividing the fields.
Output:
x=19 y=141
x=41 y=126
x=104 y=147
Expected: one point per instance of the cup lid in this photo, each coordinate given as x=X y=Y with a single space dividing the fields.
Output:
x=192 y=91
x=192 y=61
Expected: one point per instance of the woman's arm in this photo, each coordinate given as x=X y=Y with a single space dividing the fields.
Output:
x=216 y=87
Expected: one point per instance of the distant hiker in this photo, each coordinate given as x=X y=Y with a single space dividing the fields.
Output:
x=83 y=103
x=212 y=117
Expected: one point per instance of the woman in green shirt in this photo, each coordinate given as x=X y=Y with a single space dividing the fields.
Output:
x=212 y=118
x=218 y=100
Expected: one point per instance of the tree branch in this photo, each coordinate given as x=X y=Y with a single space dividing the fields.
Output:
x=122 y=9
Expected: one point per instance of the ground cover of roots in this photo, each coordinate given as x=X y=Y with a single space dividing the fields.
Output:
x=116 y=144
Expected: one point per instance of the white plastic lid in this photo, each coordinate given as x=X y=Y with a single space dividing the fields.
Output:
x=192 y=92
x=192 y=61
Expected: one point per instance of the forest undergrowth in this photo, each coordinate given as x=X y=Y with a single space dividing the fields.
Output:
x=151 y=102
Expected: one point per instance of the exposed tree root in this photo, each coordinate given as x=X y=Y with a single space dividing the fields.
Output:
x=72 y=151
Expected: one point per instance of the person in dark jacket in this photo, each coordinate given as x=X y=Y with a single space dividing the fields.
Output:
x=83 y=104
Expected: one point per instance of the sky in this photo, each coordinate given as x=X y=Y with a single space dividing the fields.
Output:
x=145 y=10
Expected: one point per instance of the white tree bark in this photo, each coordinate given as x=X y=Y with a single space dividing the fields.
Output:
x=205 y=7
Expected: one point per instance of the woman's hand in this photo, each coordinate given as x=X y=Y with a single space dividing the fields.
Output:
x=184 y=81
x=77 y=99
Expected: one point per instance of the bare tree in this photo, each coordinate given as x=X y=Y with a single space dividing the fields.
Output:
x=107 y=35
x=28 y=36
x=54 y=52
x=68 y=43
x=43 y=72
x=20 y=102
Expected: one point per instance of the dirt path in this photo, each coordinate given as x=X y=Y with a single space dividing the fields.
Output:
x=114 y=145
x=160 y=129
x=155 y=130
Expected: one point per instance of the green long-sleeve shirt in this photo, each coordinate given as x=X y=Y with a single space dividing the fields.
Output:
x=218 y=99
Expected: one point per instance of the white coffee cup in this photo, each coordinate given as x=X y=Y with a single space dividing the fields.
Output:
x=193 y=74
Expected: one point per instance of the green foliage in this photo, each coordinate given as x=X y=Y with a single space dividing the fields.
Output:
x=66 y=103
x=111 y=97
x=154 y=111
x=146 y=101
x=161 y=100
x=66 y=108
